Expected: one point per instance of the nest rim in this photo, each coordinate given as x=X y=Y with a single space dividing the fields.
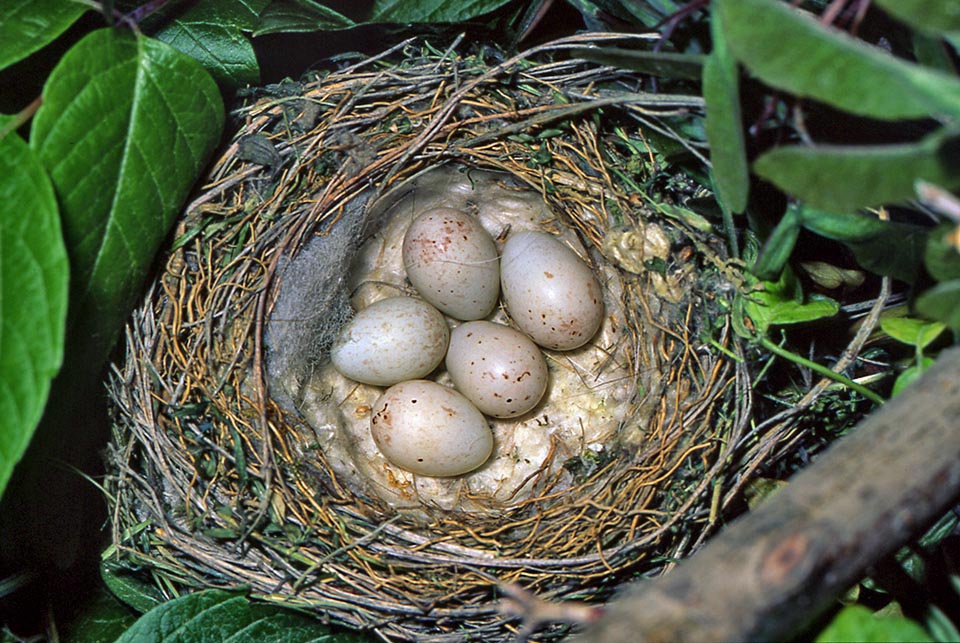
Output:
x=186 y=556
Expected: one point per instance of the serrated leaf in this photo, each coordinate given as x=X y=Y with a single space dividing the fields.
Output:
x=431 y=11
x=225 y=617
x=932 y=16
x=887 y=248
x=34 y=274
x=835 y=177
x=857 y=623
x=126 y=125
x=27 y=26
x=912 y=331
x=212 y=33
x=721 y=92
x=300 y=16
x=788 y=49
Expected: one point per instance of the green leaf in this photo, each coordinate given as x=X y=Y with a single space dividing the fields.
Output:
x=128 y=587
x=126 y=125
x=941 y=256
x=835 y=177
x=431 y=11
x=788 y=49
x=782 y=302
x=28 y=25
x=293 y=16
x=660 y=63
x=721 y=91
x=101 y=619
x=779 y=246
x=932 y=16
x=931 y=51
x=225 y=617
x=212 y=33
x=912 y=331
x=942 y=302
x=34 y=275
x=857 y=623
x=907 y=377
x=884 y=247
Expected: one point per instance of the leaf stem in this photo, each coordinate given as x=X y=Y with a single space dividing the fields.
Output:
x=819 y=368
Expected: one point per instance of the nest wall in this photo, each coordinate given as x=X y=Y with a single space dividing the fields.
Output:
x=211 y=485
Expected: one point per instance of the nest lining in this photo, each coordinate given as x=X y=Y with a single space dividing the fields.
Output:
x=213 y=485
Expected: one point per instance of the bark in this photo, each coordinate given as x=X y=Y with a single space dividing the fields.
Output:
x=774 y=570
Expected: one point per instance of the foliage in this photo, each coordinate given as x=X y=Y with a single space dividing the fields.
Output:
x=216 y=615
x=129 y=118
x=839 y=70
x=857 y=623
x=33 y=297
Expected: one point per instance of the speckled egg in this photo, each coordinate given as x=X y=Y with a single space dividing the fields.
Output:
x=497 y=368
x=452 y=262
x=430 y=429
x=391 y=340
x=550 y=293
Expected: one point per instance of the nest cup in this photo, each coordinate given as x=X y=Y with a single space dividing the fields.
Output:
x=221 y=479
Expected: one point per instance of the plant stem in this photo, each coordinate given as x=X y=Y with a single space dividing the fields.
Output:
x=822 y=370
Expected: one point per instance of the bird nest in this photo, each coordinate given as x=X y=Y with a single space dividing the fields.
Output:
x=227 y=467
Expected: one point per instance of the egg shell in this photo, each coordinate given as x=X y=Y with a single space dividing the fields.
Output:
x=430 y=429
x=549 y=291
x=496 y=367
x=452 y=262
x=391 y=340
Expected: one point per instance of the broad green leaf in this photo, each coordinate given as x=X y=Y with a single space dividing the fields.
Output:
x=790 y=50
x=857 y=623
x=941 y=255
x=838 y=177
x=212 y=33
x=431 y=11
x=225 y=617
x=721 y=91
x=932 y=16
x=660 y=63
x=779 y=246
x=126 y=125
x=34 y=275
x=28 y=25
x=912 y=331
x=884 y=247
x=907 y=377
x=942 y=302
x=782 y=302
x=127 y=586
x=293 y=16
x=931 y=51
x=101 y=619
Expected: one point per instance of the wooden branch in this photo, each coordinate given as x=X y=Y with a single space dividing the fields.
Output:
x=773 y=571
